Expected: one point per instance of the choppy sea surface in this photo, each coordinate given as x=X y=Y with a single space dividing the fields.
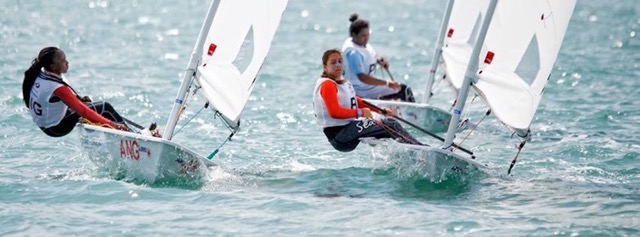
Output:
x=579 y=176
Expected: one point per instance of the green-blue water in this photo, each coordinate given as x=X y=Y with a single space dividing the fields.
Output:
x=578 y=177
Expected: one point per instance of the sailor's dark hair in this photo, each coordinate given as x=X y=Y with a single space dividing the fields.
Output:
x=325 y=59
x=325 y=56
x=45 y=59
x=357 y=24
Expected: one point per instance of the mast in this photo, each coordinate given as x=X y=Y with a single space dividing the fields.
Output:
x=189 y=74
x=469 y=75
x=438 y=52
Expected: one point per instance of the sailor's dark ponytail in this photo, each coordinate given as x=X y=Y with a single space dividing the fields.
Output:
x=357 y=24
x=45 y=59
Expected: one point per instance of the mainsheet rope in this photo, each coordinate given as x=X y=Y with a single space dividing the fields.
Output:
x=393 y=132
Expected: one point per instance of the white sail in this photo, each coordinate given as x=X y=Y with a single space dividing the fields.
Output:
x=518 y=55
x=510 y=48
x=461 y=35
x=234 y=50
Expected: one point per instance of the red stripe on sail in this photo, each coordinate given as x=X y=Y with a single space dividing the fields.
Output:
x=489 y=57
x=212 y=48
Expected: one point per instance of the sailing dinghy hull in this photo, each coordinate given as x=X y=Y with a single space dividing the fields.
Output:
x=431 y=163
x=433 y=119
x=140 y=157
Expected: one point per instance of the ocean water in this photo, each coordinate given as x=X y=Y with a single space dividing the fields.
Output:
x=579 y=176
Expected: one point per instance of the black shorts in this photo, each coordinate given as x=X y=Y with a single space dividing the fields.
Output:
x=405 y=94
x=71 y=118
x=348 y=138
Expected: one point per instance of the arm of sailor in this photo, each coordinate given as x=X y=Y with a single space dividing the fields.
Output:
x=394 y=85
x=388 y=112
x=366 y=113
x=355 y=61
x=361 y=104
x=329 y=93
x=67 y=96
x=368 y=79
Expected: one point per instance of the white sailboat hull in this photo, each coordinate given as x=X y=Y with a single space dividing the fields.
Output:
x=432 y=163
x=140 y=157
x=433 y=119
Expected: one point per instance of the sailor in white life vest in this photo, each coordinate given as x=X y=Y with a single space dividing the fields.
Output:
x=54 y=106
x=361 y=62
x=340 y=112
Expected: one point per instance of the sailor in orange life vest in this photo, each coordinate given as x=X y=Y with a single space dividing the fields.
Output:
x=54 y=106
x=337 y=109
